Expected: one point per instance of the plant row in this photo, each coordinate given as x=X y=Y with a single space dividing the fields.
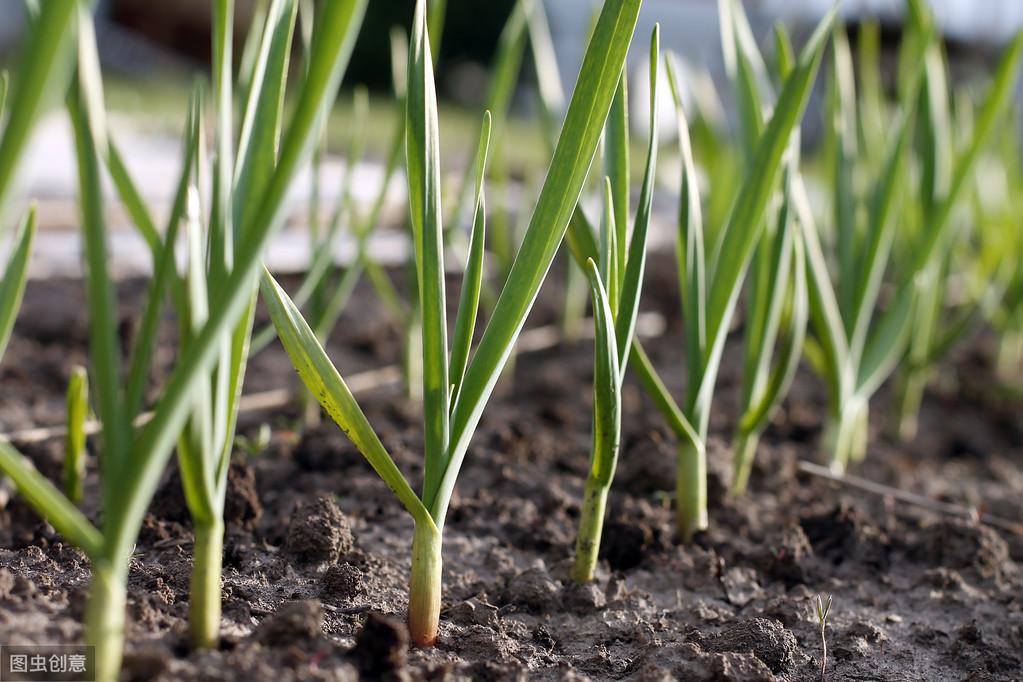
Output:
x=873 y=258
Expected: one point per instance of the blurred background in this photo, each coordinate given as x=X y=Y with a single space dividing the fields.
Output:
x=153 y=51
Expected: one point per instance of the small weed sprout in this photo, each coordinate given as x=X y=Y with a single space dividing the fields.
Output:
x=823 y=609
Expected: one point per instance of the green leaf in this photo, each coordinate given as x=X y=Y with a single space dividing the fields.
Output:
x=77 y=404
x=12 y=287
x=1005 y=78
x=627 y=309
x=221 y=228
x=608 y=267
x=746 y=70
x=422 y=145
x=42 y=74
x=886 y=346
x=872 y=114
x=263 y=111
x=195 y=444
x=781 y=375
x=843 y=128
x=436 y=18
x=618 y=170
x=164 y=274
x=132 y=200
x=690 y=252
x=601 y=68
x=253 y=38
x=833 y=358
x=785 y=56
x=50 y=503
x=661 y=396
x=469 y=297
x=104 y=343
x=607 y=401
x=769 y=292
x=878 y=240
x=937 y=146
x=324 y=382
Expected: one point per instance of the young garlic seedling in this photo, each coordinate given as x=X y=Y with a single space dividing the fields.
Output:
x=455 y=387
x=616 y=285
x=133 y=459
x=938 y=325
x=776 y=308
x=710 y=284
x=856 y=347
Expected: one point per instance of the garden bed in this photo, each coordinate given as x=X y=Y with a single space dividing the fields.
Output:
x=316 y=553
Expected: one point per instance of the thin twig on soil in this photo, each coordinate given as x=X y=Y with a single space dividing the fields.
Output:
x=913 y=499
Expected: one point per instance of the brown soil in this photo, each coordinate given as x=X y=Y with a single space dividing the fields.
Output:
x=317 y=549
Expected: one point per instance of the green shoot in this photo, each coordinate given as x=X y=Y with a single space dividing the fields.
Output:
x=776 y=317
x=452 y=409
x=711 y=282
x=43 y=72
x=12 y=286
x=856 y=347
x=776 y=308
x=710 y=285
x=74 y=440
x=935 y=331
x=133 y=460
x=615 y=286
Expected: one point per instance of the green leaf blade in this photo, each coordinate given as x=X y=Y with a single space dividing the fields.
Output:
x=323 y=381
x=12 y=287
x=50 y=503
x=627 y=309
x=607 y=418
x=422 y=144
x=472 y=280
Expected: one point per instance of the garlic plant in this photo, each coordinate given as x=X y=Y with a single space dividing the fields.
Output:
x=133 y=458
x=616 y=284
x=456 y=388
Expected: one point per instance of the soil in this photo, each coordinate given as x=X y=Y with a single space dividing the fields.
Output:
x=317 y=548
